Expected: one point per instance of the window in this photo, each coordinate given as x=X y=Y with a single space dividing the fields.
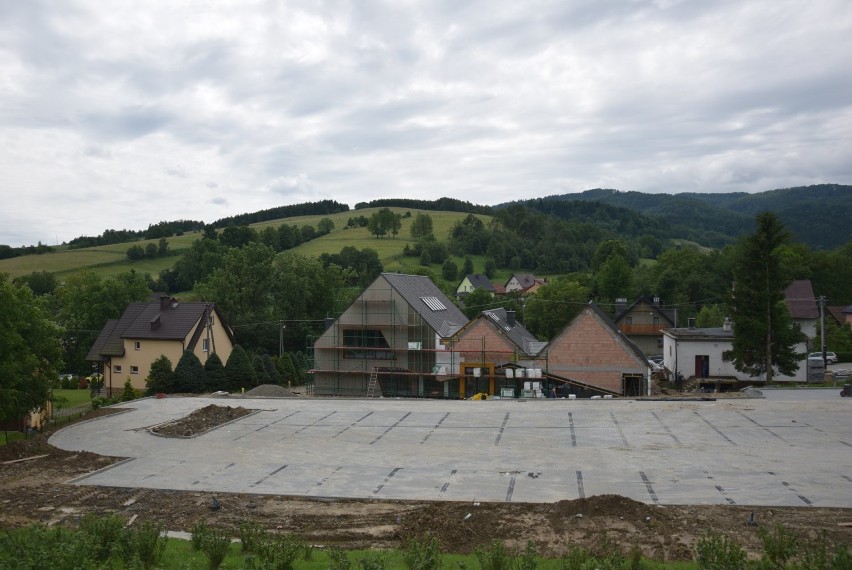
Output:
x=205 y=345
x=656 y=320
x=134 y=370
x=628 y=320
x=137 y=345
x=210 y=320
x=434 y=303
x=117 y=368
x=367 y=344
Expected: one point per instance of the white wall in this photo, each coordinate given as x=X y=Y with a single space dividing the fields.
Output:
x=684 y=352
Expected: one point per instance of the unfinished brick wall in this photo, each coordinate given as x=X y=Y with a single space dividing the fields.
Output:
x=589 y=350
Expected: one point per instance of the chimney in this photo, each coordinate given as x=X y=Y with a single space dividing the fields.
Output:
x=510 y=318
x=656 y=301
x=726 y=326
x=155 y=323
x=691 y=322
x=164 y=301
x=620 y=305
x=328 y=323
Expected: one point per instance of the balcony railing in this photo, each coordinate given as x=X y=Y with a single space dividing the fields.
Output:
x=639 y=329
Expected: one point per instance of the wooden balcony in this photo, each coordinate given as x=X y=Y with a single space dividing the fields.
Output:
x=640 y=329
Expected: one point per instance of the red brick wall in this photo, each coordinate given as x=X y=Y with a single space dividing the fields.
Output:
x=497 y=347
x=590 y=351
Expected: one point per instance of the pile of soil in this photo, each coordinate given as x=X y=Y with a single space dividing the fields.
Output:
x=36 y=491
x=270 y=391
x=201 y=420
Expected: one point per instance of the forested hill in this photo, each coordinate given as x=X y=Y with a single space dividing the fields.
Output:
x=814 y=214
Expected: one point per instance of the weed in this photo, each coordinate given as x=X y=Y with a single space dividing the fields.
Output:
x=338 y=559
x=252 y=536
x=199 y=531
x=779 y=546
x=279 y=552
x=422 y=555
x=576 y=559
x=818 y=555
x=105 y=532
x=148 y=543
x=716 y=552
x=377 y=563
x=634 y=560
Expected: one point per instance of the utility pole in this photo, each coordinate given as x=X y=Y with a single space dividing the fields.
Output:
x=822 y=328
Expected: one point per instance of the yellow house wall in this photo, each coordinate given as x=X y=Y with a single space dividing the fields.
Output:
x=150 y=350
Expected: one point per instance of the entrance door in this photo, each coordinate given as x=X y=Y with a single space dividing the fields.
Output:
x=632 y=385
x=702 y=366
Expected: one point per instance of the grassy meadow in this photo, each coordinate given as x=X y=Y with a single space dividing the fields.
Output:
x=111 y=260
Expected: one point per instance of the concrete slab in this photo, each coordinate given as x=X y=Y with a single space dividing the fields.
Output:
x=792 y=449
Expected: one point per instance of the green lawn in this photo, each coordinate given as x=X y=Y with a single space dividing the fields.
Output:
x=74 y=397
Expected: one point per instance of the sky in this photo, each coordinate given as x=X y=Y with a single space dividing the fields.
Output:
x=118 y=114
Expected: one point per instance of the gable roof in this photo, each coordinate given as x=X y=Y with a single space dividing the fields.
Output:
x=478 y=281
x=162 y=318
x=838 y=313
x=525 y=280
x=799 y=296
x=667 y=314
x=511 y=329
x=605 y=319
x=429 y=302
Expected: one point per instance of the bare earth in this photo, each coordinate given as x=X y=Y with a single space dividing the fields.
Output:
x=36 y=491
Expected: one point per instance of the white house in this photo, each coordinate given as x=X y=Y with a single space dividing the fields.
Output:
x=697 y=353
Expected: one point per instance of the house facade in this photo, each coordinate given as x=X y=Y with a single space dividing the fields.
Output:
x=592 y=351
x=391 y=341
x=697 y=353
x=644 y=321
x=802 y=302
x=472 y=282
x=524 y=283
x=491 y=355
x=127 y=347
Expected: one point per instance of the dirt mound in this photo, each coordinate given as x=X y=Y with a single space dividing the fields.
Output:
x=270 y=391
x=201 y=420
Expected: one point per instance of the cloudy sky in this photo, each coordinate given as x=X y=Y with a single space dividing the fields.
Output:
x=118 y=114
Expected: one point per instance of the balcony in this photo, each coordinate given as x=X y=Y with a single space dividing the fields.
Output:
x=640 y=329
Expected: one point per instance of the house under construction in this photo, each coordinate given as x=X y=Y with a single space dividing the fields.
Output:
x=403 y=337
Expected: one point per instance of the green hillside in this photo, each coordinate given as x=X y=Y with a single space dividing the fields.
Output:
x=112 y=259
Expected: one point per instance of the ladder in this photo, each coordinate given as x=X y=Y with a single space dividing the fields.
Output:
x=371 y=386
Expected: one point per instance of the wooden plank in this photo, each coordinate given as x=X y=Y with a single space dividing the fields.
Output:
x=25 y=459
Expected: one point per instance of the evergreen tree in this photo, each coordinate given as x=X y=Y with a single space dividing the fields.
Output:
x=490 y=268
x=764 y=337
x=214 y=372
x=160 y=378
x=239 y=371
x=271 y=371
x=467 y=269
x=288 y=369
x=189 y=374
x=260 y=371
x=450 y=270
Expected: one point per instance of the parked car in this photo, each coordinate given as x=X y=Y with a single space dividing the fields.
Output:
x=830 y=357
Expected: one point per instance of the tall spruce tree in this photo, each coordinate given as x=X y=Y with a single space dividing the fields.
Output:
x=260 y=370
x=764 y=336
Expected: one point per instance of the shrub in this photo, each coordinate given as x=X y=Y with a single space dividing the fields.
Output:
x=82 y=383
x=128 y=393
x=214 y=545
x=146 y=545
x=494 y=557
x=716 y=552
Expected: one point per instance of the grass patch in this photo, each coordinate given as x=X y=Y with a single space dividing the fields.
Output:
x=73 y=398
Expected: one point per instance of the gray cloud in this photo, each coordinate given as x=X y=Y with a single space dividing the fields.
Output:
x=489 y=101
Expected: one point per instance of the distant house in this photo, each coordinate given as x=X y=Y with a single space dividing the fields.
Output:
x=800 y=299
x=697 y=353
x=391 y=341
x=644 y=322
x=472 y=282
x=591 y=351
x=488 y=351
x=524 y=283
x=126 y=347
x=841 y=314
